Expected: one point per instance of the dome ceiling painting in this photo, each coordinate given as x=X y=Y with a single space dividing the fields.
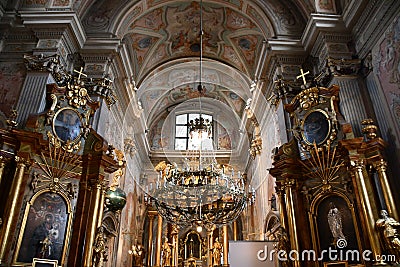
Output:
x=158 y=33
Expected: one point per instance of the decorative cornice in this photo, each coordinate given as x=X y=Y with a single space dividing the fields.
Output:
x=281 y=46
x=102 y=44
x=318 y=23
x=55 y=20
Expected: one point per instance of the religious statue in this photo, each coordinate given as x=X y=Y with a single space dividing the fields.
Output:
x=389 y=229
x=335 y=223
x=282 y=244
x=166 y=253
x=216 y=252
x=138 y=255
x=99 y=249
x=247 y=109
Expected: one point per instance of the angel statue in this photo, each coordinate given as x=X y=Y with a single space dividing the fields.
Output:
x=335 y=223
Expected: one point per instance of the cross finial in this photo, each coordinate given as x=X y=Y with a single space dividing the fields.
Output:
x=80 y=72
x=303 y=75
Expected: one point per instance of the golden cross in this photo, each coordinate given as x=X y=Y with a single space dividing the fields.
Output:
x=80 y=73
x=303 y=75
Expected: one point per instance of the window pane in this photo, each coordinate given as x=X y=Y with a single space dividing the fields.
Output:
x=181 y=119
x=180 y=144
x=193 y=116
x=182 y=139
x=181 y=131
x=205 y=116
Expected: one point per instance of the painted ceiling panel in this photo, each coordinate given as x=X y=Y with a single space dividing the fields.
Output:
x=160 y=32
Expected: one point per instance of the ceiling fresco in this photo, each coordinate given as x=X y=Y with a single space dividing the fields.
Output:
x=170 y=85
x=157 y=33
x=157 y=101
x=172 y=32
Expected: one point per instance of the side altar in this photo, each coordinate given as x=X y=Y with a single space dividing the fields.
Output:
x=333 y=186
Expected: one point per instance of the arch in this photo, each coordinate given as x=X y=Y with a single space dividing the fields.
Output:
x=320 y=224
x=193 y=250
x=272 y=224
x=49 y=220
x=173 y=76
x=261 y=13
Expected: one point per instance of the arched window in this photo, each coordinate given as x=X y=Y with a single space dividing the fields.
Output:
x=185 y=141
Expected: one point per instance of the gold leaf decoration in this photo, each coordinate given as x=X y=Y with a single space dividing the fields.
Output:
x=323 y=167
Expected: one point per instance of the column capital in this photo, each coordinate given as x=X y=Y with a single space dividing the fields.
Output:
x=358 y=164
x=22 y=161
x=96 y=183
x=289 y=183
x=175 y=229
x=152 y=214
x=380 y=165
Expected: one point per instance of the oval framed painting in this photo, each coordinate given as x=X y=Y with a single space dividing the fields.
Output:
x=316 y=127
x=67 y=125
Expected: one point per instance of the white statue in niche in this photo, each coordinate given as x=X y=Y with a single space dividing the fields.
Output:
x=335 y=223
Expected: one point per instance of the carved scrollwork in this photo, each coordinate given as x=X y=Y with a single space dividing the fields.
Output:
x=256 y=142
x=78 y=87
x=340 y=67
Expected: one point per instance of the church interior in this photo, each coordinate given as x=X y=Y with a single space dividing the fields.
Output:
x=199 y=133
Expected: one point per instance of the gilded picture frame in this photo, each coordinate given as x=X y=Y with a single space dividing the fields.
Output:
x=336 y=264
x=68 y=125
x=49 y=211
x=44 y=263
x=316 y=127
x=314 y=218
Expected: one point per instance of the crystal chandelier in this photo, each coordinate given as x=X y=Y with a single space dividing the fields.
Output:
x=201 y=192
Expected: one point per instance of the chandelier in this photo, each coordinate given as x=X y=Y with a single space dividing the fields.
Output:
x=200 y=126
x=205 y=195
x=201 y=192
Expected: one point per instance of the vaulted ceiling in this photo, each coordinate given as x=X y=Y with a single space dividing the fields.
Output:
x=162 y=37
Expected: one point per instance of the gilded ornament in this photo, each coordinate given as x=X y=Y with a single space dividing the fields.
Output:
x=369 y=129
x=389 y=229
x=323 y=167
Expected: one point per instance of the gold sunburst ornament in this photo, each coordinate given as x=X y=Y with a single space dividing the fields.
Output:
x=323 y=167
x=57 y=168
